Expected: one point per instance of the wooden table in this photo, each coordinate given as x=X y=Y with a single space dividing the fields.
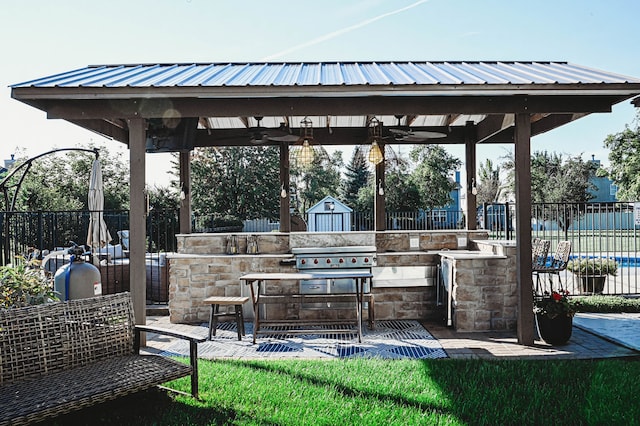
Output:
x=260 y=280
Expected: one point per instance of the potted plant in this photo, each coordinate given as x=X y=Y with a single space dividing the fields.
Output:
x=554 y=316
x=593 y=272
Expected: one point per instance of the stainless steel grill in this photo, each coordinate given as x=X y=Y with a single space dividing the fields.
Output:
x=320 y=259
x=335 y=257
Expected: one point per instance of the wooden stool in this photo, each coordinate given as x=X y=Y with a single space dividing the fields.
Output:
x=215 y=302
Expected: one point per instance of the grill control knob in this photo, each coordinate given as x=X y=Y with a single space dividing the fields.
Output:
x=341 y=260
x=366 y=260
x=328 y=260
x=353 y=260
x=303 y=261
x=315 y=261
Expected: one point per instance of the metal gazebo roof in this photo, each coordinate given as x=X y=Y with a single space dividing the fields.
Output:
x=340 y=96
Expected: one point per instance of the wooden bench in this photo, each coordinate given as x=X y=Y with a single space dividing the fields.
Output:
x=64 y=356
x=216 y=302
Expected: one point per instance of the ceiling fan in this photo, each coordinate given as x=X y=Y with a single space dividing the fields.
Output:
x=259 y=135
x=405 y=134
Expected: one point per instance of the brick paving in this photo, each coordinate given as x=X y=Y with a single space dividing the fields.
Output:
x=585 y=343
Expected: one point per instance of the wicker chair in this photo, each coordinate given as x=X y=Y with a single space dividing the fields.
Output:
x=539 y=253
x=558 y=264
x=60 y=357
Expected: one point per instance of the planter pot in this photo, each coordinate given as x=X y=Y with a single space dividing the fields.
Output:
x=593 y=283
x=555 y=331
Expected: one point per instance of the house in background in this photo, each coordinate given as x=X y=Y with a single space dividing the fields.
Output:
x=7 y=164
x=606 y=191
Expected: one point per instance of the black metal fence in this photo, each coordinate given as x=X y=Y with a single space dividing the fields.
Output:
x=36 y=234
x=594 y=230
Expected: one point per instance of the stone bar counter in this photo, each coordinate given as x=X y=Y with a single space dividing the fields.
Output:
x=484 y=285
x=404 y=284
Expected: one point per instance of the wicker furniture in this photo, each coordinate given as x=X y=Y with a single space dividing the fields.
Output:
x=64 y=356
x=539 y=253
x=558 y=264
x=216 y=302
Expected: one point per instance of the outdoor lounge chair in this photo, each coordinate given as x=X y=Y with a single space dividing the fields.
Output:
x=558 y=264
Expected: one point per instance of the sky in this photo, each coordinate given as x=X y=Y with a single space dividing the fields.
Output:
x=42 y=37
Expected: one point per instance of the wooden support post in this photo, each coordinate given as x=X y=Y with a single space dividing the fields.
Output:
x=523 y=231
x=185 y=192
x=378 y=193
x=470 y=165
x=137 y=219
x=285 y=203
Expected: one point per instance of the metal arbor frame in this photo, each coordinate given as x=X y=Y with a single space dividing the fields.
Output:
x=6 y=185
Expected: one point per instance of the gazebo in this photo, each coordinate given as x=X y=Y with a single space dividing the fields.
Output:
x=176 y=107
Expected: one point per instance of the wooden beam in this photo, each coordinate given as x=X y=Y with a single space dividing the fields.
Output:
x=107 y=128
x=323 y=136
x=137 y=218
x=523 y=229
x=409 y=105
x=185 y=192
x=493 y=124
x=543 y=124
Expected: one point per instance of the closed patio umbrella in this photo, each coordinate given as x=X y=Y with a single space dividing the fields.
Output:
x=98 y=234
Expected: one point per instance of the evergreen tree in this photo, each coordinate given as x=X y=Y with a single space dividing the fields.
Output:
x=357 y=176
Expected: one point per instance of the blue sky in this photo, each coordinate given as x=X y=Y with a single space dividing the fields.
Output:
x=42 y=37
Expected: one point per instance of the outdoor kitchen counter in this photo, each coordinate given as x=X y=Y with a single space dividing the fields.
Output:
x=258 y=298
x=469 y=254
x=479 y=287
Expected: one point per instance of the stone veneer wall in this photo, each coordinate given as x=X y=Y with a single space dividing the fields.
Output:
x=485 y=290
x=192 y=278
x=201 y=269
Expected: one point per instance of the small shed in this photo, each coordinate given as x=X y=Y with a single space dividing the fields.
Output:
x=329 y=215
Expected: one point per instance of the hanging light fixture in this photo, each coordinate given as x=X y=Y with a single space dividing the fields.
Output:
x=375 y=135
x=304 y=152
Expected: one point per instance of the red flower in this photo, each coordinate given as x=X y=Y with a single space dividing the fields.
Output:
x=556 y=296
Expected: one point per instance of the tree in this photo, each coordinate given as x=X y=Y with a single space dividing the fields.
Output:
x=315 y=181
x=60 y=181
x=242 y=182
x=357 y=176
x=489 y=186
x=624 y=159
x=432 y=175
x=402 y=194
x=556 y=179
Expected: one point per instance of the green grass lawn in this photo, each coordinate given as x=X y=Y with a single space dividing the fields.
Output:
x=389 y=392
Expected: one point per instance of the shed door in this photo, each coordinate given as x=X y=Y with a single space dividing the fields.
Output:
x=327 y=222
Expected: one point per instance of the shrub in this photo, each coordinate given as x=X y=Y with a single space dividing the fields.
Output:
x=605 y=304
x=594 y=266
x=24 y=283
